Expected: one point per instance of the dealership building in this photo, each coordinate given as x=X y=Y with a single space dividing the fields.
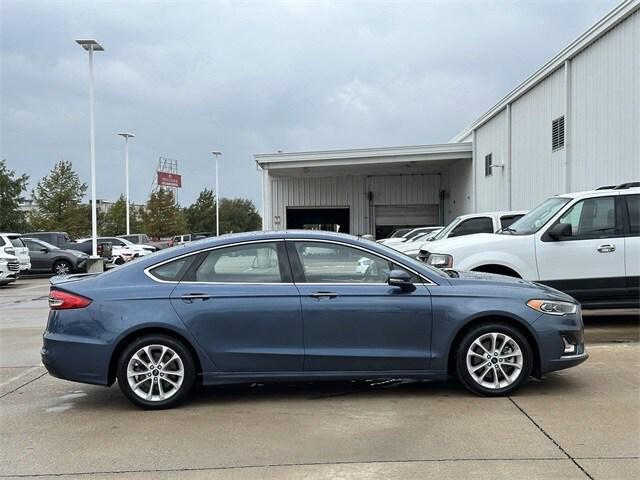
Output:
x=572 y=125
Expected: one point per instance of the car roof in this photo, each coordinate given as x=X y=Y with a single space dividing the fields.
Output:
x=494 y=214
x=601 y=192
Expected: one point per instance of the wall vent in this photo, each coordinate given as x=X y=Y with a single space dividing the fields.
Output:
x=557 y=134
x=488 y=163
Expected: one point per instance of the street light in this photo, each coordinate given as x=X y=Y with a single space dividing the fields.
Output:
x=126 y=137
x=92 y=46
x=216 y=155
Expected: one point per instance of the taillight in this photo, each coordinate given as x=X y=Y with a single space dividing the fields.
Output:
x=59 y=300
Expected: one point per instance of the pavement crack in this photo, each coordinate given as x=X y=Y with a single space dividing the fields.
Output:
x=544 y=432
x=23 y=385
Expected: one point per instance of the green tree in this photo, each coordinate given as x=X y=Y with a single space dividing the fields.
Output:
x=57 y=197
x=11 y=188
x=162 y=215
x=115 y=220
x=201 y=215
x=238 y=215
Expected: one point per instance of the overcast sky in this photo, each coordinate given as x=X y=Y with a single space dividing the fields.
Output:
x=255 y=77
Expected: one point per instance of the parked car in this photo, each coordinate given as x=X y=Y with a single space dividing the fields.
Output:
x=122 y=246
x=586 y=244
x=11 y=244
x=47 y=258
x=189 y=237
x=412 y=247
x=59 y=239
x=9 y=268
x=231 y=309
x=137 y=238
x=410 y=235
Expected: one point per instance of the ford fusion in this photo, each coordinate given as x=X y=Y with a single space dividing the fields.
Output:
x=301 y=305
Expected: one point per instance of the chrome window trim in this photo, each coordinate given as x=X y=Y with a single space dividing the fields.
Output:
x=147 y=271
x=337 y=242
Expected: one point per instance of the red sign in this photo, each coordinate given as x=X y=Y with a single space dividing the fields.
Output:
x=166 y=179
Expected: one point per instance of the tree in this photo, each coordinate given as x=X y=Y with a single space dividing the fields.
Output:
x=11 y=188
x=57 y=197
x=162 y=215
x=115 y=220
x=201 y=215
x=238 y=215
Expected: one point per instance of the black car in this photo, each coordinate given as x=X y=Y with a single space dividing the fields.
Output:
x=47 y=258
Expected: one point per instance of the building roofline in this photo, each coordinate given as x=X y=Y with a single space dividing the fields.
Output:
x=264 y=159
x=601 y=27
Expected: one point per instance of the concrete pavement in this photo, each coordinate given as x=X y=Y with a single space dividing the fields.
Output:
x=579 y=423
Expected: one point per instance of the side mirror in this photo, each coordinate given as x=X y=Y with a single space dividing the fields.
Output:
x=560 y=230
x=400 y=279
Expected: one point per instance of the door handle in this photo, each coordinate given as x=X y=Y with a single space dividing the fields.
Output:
x=191 y=297
x=320 y=295
x=606 y=248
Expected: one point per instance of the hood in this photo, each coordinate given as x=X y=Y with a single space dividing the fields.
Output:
x=448 y=245
x=407 y=247
x=503 y=281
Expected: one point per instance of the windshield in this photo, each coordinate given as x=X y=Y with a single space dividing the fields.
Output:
x=536 y=218
x=445 y=231
x=413 y=234
x=400 y=232
x=45 y=244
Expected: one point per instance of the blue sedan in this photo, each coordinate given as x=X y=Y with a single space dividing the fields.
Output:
x=301 y=305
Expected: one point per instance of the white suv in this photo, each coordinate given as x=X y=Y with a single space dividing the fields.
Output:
x=9 y=268
x=586 y=244
x=12 y=244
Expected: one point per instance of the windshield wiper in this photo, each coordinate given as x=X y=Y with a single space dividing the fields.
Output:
x=507 y=230
x=451 y=272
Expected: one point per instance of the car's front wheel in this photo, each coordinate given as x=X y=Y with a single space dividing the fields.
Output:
x=493 y=359
x=62 y=267
x=156 y=372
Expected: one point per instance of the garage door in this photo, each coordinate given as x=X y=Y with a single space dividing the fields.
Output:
x=418 y=215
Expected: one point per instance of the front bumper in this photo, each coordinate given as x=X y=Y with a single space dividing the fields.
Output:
x=551 y=330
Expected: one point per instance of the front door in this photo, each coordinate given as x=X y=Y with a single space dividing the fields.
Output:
x=240 y=305
x=353 y=320
x=588 y=261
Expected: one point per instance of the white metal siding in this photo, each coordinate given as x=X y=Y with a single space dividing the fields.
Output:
x=537 y=172
x=491 y=138
x=604 y=128
x=405 y=189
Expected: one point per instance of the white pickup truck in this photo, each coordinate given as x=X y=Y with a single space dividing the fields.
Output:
x=586 y=244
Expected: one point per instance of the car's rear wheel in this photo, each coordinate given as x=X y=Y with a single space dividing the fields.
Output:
x=156 y=372
x=62 y=267
x=493 y=359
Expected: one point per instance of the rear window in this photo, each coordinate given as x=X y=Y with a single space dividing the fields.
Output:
x=633 y=205
x=172 y=271
x=16 y=242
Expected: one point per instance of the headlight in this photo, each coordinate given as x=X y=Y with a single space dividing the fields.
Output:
x=553 y=307
x=4 y=260
x=440 y=260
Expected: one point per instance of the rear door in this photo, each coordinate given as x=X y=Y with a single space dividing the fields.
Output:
x=353 y=320
x=588 y=264
x=241 y=305
x=632 y=246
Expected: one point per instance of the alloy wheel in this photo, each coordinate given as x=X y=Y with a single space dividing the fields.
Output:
x=62 y=268
x=155 y=373
x=494 y=360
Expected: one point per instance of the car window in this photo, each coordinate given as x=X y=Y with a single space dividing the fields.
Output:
x=33 y=246
x=507 y=220
x=332 y=263
x=172 y=271
x=16 y=242
x=591 y=218
x=473 y=225
x=115 y=241
x=251 y=263
x=2 y=242
x=633 y=206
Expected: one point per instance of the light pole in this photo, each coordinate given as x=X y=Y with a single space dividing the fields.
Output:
x=92 y=46
x=126 y=137
x=216 y=155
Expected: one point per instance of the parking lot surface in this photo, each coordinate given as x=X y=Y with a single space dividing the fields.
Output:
x=579 y=423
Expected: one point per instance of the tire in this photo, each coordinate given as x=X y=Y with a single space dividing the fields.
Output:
x=62 y=267
x=502 y=374
x=167 y=389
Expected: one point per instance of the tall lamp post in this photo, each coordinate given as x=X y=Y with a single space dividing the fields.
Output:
x=216 y=155
x=126 y=137
x=92 y=46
